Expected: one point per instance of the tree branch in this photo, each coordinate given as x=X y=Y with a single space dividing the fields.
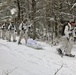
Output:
x=58 y=69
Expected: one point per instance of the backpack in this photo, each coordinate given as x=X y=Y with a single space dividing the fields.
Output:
x=12 y=27
x=22 y=27
x=63 y=28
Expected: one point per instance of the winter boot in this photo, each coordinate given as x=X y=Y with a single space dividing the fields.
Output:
x=14 y=40
x=59 y=51
x=19 y=43
x=9 y=40
x=70 y=55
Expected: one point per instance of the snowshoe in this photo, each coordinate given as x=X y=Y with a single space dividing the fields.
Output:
x=60 y=52
x=70 y=55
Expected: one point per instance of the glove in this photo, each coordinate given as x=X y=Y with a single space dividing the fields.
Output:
x=15 y=30
x=22 y=28
x=70 y=34
x=67 y=38
x=9 y=28
x=72 y=29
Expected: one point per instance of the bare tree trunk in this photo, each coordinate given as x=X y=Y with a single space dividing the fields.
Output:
x=33 y=18
x=28 y=9
x=18 y=5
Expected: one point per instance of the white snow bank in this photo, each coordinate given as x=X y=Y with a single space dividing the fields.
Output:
x=22 y=60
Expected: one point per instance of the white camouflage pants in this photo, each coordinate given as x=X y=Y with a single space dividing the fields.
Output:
x=4 y=34
x=23 y=35
x=0 y=33
x=12 y=35
x=67 y=45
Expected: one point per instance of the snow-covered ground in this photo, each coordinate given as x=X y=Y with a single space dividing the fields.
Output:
x=22 y=60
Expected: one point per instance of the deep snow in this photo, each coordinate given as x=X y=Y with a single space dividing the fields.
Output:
x=22 y=60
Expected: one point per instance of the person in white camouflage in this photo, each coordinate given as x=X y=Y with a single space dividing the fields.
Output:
x=4 y=28
x=0 y=33
x=74 y=34
x=23 y=31
x=67 y=43
x=12 y=30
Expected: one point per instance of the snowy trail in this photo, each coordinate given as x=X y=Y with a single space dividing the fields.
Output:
x=21 y=60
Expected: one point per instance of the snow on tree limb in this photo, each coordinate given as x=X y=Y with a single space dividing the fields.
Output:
x=13 y=11
x=2 y=4
x=74 y=5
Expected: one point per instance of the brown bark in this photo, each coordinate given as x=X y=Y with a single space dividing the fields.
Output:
x=18 y=5
x=33 y=18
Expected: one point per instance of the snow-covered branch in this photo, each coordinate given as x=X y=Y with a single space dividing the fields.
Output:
x=59 y=69
x=2 y=4
x=74 y=5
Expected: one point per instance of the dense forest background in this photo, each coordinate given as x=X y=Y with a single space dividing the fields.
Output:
x=47 y=16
